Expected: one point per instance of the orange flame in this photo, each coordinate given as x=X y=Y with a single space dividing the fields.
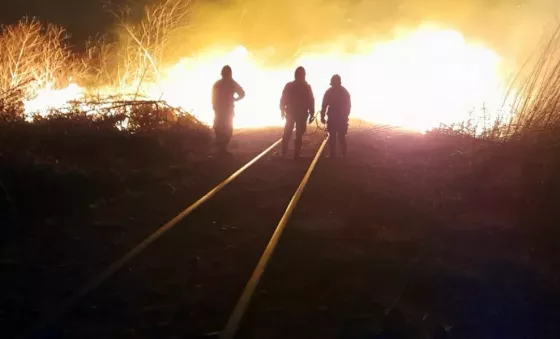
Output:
x=416 y=81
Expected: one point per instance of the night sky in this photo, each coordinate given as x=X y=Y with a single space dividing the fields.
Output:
x=81 y=18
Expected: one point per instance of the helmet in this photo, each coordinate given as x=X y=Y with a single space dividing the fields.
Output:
x=336 y=80
x=226 y=72
x=300 y=73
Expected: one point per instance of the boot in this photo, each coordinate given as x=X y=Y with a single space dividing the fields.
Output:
x=222 y=149
x=297 y=149
x=284 y=147
x=332 y=149
x=343 y=150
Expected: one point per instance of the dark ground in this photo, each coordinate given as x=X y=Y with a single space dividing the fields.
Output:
x=385 y=228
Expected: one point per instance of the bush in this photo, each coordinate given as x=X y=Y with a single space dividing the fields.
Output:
x=34 y=56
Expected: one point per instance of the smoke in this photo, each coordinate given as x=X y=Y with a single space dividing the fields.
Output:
x=510 y=27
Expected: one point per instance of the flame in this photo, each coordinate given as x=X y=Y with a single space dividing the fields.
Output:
x=416 y=81
x=48 y=98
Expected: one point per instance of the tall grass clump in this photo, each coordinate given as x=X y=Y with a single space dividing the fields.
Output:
x=535 y=130
x=536 y=100
x=519 y=154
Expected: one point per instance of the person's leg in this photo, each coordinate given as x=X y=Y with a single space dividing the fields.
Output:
x=342 y=142
x=332 y=143
x=301 y=125
x=218 y=132
x=228 y=130
x=287 y=136
x=342 y=138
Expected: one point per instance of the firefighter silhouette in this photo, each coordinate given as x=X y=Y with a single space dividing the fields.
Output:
x=225 y=93
x=336 y=107
x=297 y=105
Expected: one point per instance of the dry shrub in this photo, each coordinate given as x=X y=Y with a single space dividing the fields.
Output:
x=11 y=112
x=142 y=49
x=66 y=122
x=119 y=113
x=92 y=134
x=34 y=56
x=146 y=44
x=151 y=116
x=101 y=63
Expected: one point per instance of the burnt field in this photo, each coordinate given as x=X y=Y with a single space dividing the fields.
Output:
x=452 y=231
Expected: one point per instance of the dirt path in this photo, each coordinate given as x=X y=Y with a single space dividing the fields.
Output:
x=48 y=262
x=361 y=243
x=370 y=233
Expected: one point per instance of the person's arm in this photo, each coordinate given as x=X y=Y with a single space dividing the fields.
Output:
x=283 y=102
x=311 y=106
x=311 y=103
x=239 y=91
x=214 y=96
x=324 y=106
x=348 y=104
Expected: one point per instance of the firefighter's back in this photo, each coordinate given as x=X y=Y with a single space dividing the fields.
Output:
x=224 y=90
x=338 y=102
x=298 y=98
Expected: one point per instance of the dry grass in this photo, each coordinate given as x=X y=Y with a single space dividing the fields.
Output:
x=518 y=157
x=537 y=100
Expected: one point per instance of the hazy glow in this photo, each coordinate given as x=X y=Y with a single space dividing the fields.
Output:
x=418 y=80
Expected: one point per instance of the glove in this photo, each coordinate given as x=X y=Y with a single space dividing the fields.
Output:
x=311 y=119
x=323 y=121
